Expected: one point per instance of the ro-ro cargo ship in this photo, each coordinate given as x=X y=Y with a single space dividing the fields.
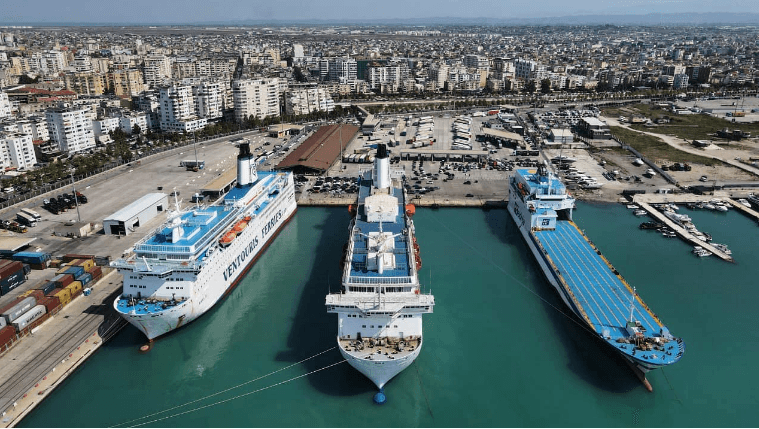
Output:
x=542 y=210
x=380 y=306
x=180 y=270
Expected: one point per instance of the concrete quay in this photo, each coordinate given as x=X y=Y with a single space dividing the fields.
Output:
x=683 y=233
x=436 y=201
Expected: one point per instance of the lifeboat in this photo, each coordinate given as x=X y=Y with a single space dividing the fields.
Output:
x=240 y=226
x=228 y=238
x=410 y=210
x=352 y=209
x=418 y=263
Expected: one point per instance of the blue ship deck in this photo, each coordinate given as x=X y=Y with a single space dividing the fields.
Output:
x=358 y=263
x=601 y=294
x=547 y=186
x=203 y=225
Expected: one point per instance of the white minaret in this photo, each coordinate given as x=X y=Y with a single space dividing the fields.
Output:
x=381 y=173
x=246 y=168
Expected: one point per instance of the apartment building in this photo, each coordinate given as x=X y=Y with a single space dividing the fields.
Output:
x=307 y=98
x=209 y=99
x=255 y=97
x=176 y=109
x=86 y=83
x=16 y=151
x=5 y=105
x=127 y=82
x=104 y=126
x=156 y=69
x=70 y=129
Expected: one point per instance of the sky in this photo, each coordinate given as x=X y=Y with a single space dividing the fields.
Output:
x=202 y=11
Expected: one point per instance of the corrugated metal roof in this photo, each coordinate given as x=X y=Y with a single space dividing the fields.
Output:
x=136 y=207
x=321 y=149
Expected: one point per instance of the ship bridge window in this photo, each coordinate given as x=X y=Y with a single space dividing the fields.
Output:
x=363 y=326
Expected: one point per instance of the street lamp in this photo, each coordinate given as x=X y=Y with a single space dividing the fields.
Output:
x=76 y=200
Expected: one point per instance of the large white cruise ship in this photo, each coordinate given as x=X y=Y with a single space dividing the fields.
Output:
x=184 y=267
x=380 y=305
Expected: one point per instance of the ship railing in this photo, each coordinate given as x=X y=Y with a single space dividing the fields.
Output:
x=365 y=301
x=360 y=280
x=155 y=267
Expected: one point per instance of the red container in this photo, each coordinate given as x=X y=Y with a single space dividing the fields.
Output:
x=62 y=280
x=4 y=262
x=96 y=272
x=54 y=291
x=7 y=334
x=38 y=266
x=34 y=324
x=38 y=294
x=11 y=268
x=71 y=256
x=50 y=302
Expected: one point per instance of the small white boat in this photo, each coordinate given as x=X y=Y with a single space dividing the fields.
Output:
x=710 y=206
x=633 y=206
x=721 y=207
x=640 y=212
x=744 y=202
x=638 y=161
x=701 y=252
x=723 y=248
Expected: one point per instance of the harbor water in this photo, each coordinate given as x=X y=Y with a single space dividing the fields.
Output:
x=500 y=348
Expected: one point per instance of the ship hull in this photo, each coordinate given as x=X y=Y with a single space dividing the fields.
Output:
x=380 y=371
x=215 y=279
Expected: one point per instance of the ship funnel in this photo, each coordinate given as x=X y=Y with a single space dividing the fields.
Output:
x=381 y=173
x=246 y=168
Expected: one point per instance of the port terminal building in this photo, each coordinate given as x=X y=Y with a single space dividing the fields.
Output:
x=321 y=150
x=124 y=221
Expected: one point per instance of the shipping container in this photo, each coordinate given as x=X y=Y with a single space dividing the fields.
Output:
x=10 y=267
x=87 y=264
x=63 y=295
x=96 y=272
x=32 y=257
x=30 y=316
x=85 y=278
x=55 y=263
x=74 y=271
x=51 y=303
x=6 y=334
x=36 y=322
x=36 y=293
x=75 y=288
x=71 y=256
x=62 y=280
x=47 y=287
x=12 y=281
x=22 y=306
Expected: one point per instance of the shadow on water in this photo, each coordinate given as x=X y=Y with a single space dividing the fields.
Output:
x=313 y=329
x=589 y=357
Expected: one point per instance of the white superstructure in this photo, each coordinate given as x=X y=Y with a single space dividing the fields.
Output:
x=182 y=269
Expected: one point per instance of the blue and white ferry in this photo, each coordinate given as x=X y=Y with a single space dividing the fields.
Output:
x=587 y=283
x=380 y=306
x=180 y=270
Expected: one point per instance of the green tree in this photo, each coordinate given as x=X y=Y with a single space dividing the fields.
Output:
x=545 y=86
x=136 y=129
x=530 y=86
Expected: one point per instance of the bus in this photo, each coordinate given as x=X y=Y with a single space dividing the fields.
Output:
x=32 y=213
x=26 y=219
x=192 y=164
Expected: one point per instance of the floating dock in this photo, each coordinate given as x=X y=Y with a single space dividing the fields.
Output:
x=683 y=233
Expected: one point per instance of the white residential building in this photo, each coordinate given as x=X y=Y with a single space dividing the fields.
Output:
x=156 y=69
x=680 y=81
x=255 y=97
x=209 y=99
x=176 y=109
x=105 y=126
x=301 y=100
x=16 y=150
x=5 y=105
x=127 y=122
x=70 y=129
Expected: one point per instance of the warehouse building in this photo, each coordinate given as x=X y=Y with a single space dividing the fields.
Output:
x=136 y=214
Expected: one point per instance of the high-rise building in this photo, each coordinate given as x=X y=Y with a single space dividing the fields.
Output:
x=176 y=109
x=209 y=99
x=70 y=129
x=126 y=82
x=306 y=98
x=5 y=105
x=16 y=150
x=86 y=83
x=156 y=69
x=255 y=97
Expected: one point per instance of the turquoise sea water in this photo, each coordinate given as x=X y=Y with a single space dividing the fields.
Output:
x=499 y=350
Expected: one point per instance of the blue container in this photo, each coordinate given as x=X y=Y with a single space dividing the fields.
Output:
x=47 y=287
x=85 y=278
x=32 y=257
x=12 y=281
x=75 y=271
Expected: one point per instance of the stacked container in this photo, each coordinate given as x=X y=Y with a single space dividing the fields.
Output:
x=62 y=280
x=29 y=317
x=7 y=335
x=17 y=307
x=97 y=273
x=36 y=293
x=51 y=303
x=37 y=260
x=63 y=295
x=11 y=276
x=46 y=287
x=74 y=288
x=71 y=256
x=71 y=269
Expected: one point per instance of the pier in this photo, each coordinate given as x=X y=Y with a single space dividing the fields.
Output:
x=745 y=210
x=685 y=235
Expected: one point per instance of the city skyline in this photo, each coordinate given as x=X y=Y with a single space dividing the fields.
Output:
x=488 y=11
